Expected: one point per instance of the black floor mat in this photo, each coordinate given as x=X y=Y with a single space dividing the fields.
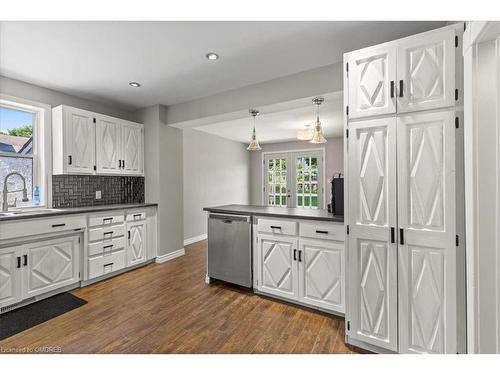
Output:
x=36 y=313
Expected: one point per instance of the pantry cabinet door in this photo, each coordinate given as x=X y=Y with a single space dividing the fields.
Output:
x=132 y=146
x=79 y=141
x=372 y=261
x=51 y=264
x=426 y=72
x=108 y=145
x=136 y=243
x=372 y=76
x=278 y=270
x=427 y=251
x=10 y=276
x=321 y=274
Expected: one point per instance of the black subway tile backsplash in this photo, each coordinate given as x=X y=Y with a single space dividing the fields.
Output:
x=79 y=190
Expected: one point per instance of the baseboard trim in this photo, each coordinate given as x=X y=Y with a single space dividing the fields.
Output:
x=170 y=256
x=189 y=241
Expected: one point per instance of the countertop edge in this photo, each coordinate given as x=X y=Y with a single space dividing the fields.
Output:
x=288 y=216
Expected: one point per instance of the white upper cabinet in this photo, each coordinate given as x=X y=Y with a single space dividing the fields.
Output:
x=108 y=145
x=426 y=72
x=90 y=143
x=132 y=141
x=372 y=76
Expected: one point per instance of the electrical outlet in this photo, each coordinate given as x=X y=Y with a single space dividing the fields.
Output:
x=97 y=194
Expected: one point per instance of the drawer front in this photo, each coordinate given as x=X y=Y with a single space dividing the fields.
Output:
x=135 y=216
x=106 y=263
x=113 y=244
x=30 y=227
x=322 y=230
x=106 y=233
x=110 y=218
x=277 y=226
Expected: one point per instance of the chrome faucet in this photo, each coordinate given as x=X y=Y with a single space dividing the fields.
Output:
x=5 y=204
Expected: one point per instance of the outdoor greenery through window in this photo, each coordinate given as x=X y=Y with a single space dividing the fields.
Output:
x=307 y=182
x=277 y=178
x=16 y=151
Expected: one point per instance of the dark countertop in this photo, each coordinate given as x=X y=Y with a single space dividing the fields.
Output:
x=294 y=213
x=41 y=212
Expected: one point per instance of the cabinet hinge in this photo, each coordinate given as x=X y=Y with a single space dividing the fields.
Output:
x=457 y=125
x=456 y=41
x=348 y=325
x=347 y=228
x=94 y=120
x=456 y=94
x=347 y=110
x=457 y=241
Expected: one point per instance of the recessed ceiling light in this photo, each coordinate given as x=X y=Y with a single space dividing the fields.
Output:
x=134 y=84
x=212 y=56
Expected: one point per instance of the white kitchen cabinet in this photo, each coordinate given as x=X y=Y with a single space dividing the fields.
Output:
x=426 y=218
x=372 y=265
x=90 y=143
x=132 y=149
x=136 y=243
x=51 y=264
x=108 y=145
x=426 y=72
x=321 y=274
x=11 y=290
x=372 y=76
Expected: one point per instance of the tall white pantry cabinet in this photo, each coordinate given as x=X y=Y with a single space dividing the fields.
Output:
x=405 y=209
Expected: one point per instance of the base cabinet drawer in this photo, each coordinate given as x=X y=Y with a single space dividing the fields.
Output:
x=32 y=227
x=322 y=231
x=111 y=218
x=106 y=263
x=277 y=227
x=101 y=247
x=106 y=233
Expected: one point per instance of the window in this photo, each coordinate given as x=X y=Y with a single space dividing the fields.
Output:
x=19 y=150
x=294 y=179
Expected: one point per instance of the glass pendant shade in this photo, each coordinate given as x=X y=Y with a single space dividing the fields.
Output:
x=318 y=136
x=305 y=134
x=254 y=143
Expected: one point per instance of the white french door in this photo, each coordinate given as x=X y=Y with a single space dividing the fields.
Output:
x=294 y=179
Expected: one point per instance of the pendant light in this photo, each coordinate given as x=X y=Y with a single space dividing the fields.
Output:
x=254 y=143
x=318 y=136
x=305 y=134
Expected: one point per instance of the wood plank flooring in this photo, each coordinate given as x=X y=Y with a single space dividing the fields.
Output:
x=168 y=308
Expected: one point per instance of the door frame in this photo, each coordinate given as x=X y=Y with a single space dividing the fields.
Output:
x=288 y=153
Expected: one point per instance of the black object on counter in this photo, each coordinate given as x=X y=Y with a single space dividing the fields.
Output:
x=337 y=205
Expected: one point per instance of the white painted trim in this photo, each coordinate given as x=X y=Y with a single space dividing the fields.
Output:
x=170 y=256
x=189 y=241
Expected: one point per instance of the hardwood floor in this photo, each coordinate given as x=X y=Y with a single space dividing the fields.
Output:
x=168 y=308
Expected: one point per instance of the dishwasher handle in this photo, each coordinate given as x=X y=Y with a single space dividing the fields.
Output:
x=228 y=219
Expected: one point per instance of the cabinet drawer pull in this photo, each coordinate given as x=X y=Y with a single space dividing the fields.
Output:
x=25 y=259
x=108 y=247
x=322 y=231
x=137 y=215
x=106 y=233
x=108 y=264
x=58 y=225
x=18 y=262
x=107 y=219
x=275 y=227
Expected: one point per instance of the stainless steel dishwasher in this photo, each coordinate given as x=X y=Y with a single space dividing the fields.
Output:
x=230 y=248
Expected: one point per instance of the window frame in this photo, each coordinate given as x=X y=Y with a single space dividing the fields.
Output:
x=41 y=155
x=291 y=156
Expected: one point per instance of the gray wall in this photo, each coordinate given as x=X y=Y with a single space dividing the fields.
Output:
x=216 y=172
x=334 y=155
x=54 y=98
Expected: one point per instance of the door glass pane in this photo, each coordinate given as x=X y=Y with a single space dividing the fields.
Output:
x=277 y=182
x=307 y=182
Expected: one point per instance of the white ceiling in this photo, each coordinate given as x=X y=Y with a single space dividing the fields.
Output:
x=96 y=60
x=282 y=126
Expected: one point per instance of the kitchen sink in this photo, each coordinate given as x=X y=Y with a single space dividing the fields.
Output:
x=29 y=212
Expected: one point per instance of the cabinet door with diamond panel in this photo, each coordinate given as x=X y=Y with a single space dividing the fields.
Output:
x=426 y=72
x=372 y=256
x=372 y=76
x=136 y=243
x=108 y=145
x=321 y=274
x=79 y=133
x=132 y=146
x=278 y=270
x=51 y=264
x=426 y=215
x=10 y=276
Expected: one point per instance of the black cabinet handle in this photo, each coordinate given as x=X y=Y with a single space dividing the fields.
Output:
x=123 y=163
x=106 y=219
x=392 y=89
x=70 y=160
x=108 y=264
x=129 y=235
x=294 y=254
x=108 y=247
x=18 y=262
x=322 y=231
x=275 y=227
x=120 y=163
x=393 y=235
x=401 y=236
x=106 y=233
x=300 y=255
x=58 y=225
x=137 y=215
x=25 y=259
x=401 y=88
x=227 y=221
